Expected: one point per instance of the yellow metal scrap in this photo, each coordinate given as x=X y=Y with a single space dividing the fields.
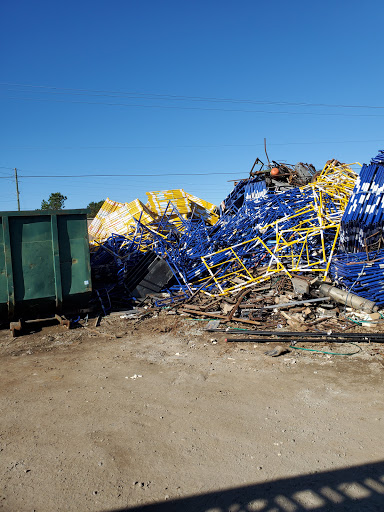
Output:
x=238 y=276
x=330 y=191
x=120 y=218
x=114 y=217
x=184 y=202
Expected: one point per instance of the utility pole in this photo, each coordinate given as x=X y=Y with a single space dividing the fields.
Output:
x=17 y=190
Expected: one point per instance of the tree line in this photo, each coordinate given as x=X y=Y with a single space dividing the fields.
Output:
x=57 y=200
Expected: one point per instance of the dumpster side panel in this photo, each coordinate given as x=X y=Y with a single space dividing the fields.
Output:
x=44 y=263
x=32 y=258
x=3 y=273
x=74 y=255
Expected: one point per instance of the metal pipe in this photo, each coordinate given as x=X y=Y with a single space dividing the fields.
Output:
x=301 y=339
x=348 y=299
x=295 y=334
x=294 y=303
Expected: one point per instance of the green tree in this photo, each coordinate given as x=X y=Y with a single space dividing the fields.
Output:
x=94 y=207
x=55 y=202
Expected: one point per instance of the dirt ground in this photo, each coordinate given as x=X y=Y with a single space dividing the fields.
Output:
x=165 y=416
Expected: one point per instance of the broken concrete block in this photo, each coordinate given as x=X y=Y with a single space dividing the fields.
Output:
x=297 y=317
x=326 y=312
x=301 y=286
x=227 y=308
x=282 y=299
x=296 y=325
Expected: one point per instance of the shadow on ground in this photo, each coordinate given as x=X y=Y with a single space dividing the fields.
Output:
x=354 y=489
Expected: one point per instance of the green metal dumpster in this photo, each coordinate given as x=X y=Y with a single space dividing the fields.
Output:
x=44 y=263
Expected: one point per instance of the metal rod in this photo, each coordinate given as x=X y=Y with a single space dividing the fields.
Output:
x=302 y=340
x=220 y=317
x=295 y=334
x=295 y=303
x=265 y=148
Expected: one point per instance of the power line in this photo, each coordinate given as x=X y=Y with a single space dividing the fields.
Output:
x=180 y=175
x=187 y=146
x=118 y=175
x=206 y=109
x=64 y=90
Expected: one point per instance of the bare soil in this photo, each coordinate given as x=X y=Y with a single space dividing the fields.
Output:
x=164 y=413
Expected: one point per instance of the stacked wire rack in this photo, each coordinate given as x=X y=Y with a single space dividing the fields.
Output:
x=362 y=222
x=360 y=274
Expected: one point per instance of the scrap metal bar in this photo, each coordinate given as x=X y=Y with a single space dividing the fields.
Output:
x=220 y=317
x=295 y=334
x=298 y=338
x=294 y=303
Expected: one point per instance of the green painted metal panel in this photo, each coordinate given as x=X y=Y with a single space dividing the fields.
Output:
x=3 y=273
x=32 y=259
x=74 y=251
x=44 y=262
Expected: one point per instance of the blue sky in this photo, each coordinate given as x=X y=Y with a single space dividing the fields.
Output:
x=168 y=87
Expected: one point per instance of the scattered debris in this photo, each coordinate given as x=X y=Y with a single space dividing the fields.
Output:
x=277 y=351
x=213 y=324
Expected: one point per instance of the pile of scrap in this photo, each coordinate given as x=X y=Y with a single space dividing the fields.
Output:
x=298 y=304
x=263 y=260
x=279 y=304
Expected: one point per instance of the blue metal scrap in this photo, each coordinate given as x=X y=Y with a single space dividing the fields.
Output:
x=362 y=222
x=361 y=230
x=183 y=251
x=359 y=275
x=183 y=248
x=244 y=190
x=250 y=212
